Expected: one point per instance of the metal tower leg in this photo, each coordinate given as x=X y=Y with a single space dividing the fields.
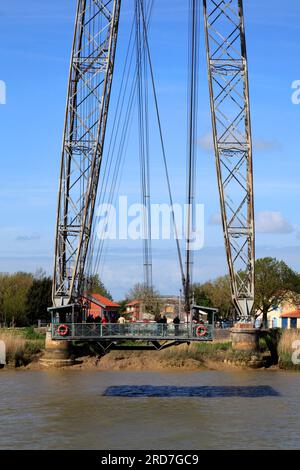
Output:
x=91 y=72
x=229 y=97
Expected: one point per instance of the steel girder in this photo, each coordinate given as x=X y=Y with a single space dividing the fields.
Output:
x=90 y=80
x=229 y=97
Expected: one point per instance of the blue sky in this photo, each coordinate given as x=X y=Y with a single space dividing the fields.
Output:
x=35 y=42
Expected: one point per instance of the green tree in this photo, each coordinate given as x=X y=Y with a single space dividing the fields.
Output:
x=96 y=286
x=202 y=295
x=39 y=298
x=215 y=294
x=13 y=294
x=3 y=286
x=275 y=281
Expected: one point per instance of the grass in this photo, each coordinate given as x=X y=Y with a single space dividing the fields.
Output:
x=286 y=350
x=21 y=344
x=202 y=352
x=27 y=333
x=197 y=352
x=213 y=347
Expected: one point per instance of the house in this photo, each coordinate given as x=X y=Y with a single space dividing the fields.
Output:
x=290 y=319
x=170 y=305
x=290 y=313
x=101 y=306
x=133 y=309
x=285 y=315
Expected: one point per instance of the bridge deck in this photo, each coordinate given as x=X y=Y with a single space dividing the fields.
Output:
x=137 y=331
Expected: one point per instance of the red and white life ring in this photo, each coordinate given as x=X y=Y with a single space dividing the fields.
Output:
x=201 y=331
x=62 y=330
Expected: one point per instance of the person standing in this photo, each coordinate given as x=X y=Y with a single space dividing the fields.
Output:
x=104 y=322
x=159 y=321
x=121 y=322
x=176 y=322
x=165 y=325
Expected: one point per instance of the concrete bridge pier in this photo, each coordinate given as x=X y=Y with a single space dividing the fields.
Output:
x=245 y=338
x=57 y=353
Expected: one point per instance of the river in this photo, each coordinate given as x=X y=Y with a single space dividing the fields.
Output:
x=67 y=410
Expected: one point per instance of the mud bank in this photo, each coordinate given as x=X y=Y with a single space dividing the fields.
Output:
x=212 y=356
x=179 y=358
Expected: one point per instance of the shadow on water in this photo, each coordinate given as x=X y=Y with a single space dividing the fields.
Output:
x=204 y=392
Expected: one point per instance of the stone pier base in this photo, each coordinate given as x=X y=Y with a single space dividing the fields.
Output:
x=244 y=338
x=57 y=353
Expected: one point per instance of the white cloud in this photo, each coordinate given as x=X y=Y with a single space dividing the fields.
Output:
x=205 y=142
x=264 y=144
x=265 y=222
x=27 y=238
x=272 y=222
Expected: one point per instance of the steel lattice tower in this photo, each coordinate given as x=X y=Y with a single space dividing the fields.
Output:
x=90 y=80
x=229 y=96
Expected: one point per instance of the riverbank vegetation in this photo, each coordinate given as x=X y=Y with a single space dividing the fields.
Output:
x=200 y=352
x=287 y=350
x=23 y=345
x=206 y=354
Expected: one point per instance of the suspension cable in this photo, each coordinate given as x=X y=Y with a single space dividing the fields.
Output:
x=162 y=145
x=143 y=122
x=193 y=80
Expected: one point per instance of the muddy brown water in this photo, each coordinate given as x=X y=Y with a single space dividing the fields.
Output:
x=67 y=410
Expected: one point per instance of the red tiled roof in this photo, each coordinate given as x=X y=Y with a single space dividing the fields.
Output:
x=104 y=301
x=292 y=314
x=132 y=303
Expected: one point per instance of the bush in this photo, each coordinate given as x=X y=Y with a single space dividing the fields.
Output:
x=29 y=333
